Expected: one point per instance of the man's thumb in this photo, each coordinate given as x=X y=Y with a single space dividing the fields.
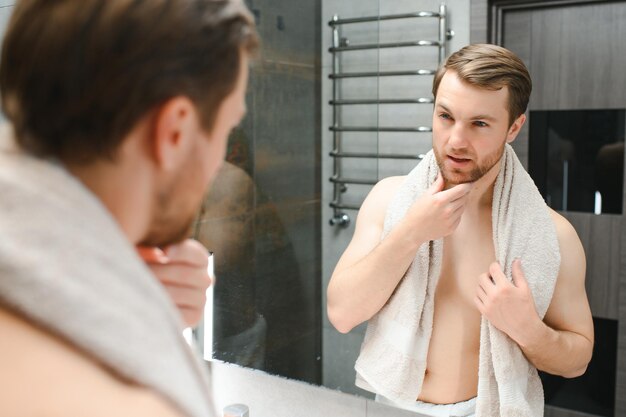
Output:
x=518 y=274
x=437 y=186
x=152 y=254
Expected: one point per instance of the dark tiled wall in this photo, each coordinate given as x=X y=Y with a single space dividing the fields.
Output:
x=261 y=218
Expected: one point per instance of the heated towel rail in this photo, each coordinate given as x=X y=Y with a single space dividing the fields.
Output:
x=340 y=45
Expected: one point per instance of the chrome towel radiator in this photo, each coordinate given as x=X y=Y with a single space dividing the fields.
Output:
x=341 y=45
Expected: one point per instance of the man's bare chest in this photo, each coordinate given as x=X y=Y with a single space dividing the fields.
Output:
x=467 y=254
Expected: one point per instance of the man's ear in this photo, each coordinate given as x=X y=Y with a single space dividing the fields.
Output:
x=515 y=128
x=172 y=133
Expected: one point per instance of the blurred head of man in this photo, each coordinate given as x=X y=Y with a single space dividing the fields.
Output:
x=135 y=98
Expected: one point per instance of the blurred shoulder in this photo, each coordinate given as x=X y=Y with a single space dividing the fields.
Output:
x=43 y=375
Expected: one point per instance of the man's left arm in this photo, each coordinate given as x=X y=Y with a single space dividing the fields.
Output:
x=562 y=343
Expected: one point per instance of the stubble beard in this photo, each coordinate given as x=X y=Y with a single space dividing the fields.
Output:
x=455 y=177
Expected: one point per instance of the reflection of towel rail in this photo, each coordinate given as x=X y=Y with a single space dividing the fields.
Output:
x=374 y=155
x=340 y=45
x=344 y=206
x=338 y=180
x=337 y=22
x=420 y=100
x=380 y=74
x=383 y=46
x=379 y=129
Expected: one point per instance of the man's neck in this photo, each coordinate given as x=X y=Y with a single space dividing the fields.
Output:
x=121 y=190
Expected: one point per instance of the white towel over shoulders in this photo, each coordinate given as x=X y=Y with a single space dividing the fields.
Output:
x=393 y=355
x=66 y=265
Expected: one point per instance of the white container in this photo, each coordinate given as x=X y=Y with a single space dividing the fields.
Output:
x=236 y=410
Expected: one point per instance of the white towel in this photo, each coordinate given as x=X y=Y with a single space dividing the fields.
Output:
x=393 y=356
x=66 y=265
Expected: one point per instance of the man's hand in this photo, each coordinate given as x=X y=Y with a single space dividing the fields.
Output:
x=437 y=213
x=182 y=269
x=508 y=306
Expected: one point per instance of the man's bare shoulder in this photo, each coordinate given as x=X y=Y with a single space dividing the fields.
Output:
x=384 y=190
x=375 y=205
x=564 y=228
x=572 y=252
x=390 y=185
x=42 y=375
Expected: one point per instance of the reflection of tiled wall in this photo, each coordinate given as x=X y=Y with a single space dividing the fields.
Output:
x=6 y=8
x=340 y=351
x=268 y=263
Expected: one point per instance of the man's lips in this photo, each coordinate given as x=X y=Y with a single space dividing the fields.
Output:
x=458 y=160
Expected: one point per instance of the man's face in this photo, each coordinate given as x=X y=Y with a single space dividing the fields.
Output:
x=179 y=201
x=470 y=129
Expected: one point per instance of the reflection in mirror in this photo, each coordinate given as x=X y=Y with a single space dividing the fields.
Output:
x=266 y=217
x=263 y=315
x=268 y=224
x=577 y=158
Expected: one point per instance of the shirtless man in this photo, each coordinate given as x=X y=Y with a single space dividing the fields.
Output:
x=120 y=114
x=478 y=108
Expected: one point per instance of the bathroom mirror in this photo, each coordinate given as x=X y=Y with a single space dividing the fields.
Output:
x=267 y=215
x=283 y=209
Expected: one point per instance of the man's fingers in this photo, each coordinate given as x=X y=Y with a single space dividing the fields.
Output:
x=189 y=251
x=152 y=254
x=495 y=271
x=437 y=186
x=183 y=275
x=518 y=274
x=191 y=316
x=457 y=192
x=485 y=283
x=458 y=204
x=186 y=297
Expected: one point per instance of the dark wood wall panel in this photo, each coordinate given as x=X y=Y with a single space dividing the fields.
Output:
x=478 y=21
x=562 y=412
x=620 y=387
x=601 y=238
x=620 y=383
x=579 y=56
x=578 y=62
x=517 y=38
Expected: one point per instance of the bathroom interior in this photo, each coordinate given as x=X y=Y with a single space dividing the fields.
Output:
x=340 y=98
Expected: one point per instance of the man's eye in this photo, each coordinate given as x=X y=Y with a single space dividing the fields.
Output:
x=480 y=123
x=444 y=116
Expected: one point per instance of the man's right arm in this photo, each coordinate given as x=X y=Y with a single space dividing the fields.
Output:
x=370 y=269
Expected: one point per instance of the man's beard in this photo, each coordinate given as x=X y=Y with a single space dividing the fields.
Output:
x=455 y=177
x=169 y=226
x=162 y=236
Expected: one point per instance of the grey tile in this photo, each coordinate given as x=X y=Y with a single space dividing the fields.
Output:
x=289 y=30
x=339 y=353
x=6 y=9
x=299 y=358
x=287 y=131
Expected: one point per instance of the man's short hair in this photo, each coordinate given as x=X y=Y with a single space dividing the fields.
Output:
x=77 y=75
x=491 y=67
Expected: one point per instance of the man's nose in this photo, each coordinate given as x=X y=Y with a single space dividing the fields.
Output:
x=458 y=137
